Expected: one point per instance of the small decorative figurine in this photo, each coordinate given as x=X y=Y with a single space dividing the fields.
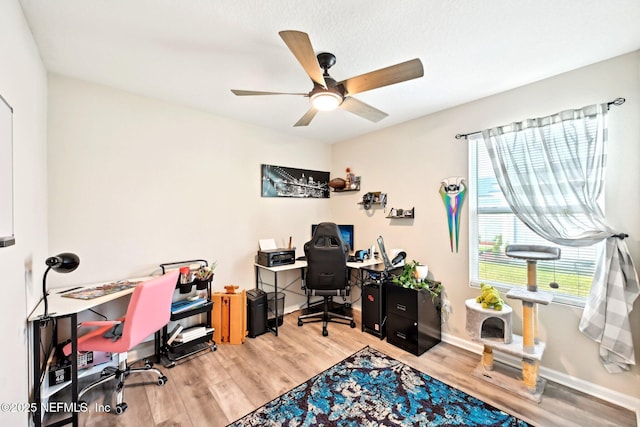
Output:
x=490 y=297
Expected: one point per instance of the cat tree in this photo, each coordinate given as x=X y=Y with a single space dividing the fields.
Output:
x=493 y=328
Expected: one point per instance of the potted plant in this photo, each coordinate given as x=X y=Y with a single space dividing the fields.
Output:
x=204 y=275
x=413 y=276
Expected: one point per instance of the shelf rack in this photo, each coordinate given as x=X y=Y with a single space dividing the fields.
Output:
x=176 y=351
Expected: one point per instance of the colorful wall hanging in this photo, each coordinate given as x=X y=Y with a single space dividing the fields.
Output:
x=453 y=190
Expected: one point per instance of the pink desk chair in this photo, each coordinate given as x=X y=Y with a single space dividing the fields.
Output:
x=148 y=311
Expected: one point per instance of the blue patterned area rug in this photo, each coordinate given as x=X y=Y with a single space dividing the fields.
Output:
x=371 y=389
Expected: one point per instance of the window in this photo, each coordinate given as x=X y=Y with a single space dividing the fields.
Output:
x=493 y=226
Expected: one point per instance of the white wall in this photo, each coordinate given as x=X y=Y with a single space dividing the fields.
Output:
x=409 y=160
x=23 y=84
x=134 y=182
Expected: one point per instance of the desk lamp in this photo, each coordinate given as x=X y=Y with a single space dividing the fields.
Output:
x=62 y=263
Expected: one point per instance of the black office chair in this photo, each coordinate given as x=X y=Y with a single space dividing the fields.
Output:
x=327 y=273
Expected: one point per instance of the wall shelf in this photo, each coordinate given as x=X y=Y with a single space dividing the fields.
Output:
x=374 y=198
x=344 y=190
x=402 y=213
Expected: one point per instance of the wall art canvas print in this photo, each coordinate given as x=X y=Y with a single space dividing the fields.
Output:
x=281 y=181
x=453 y=190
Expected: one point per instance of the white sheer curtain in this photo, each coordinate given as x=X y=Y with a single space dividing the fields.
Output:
x=551 y=171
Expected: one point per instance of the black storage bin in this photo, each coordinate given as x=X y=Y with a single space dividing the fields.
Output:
x=256 y=312
x=271 y=305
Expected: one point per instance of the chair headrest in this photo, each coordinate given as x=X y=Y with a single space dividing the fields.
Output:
x=327 y=229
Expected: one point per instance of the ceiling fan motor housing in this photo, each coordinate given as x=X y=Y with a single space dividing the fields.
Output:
x=326 y=60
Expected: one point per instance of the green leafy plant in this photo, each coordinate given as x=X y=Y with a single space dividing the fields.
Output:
x=409 y=278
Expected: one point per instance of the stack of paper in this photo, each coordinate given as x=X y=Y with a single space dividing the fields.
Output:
x=192 y=333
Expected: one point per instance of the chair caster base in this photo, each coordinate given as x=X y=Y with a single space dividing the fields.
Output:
x=120 y=408
x=325 y=332
x=162 y=380
x=299 y=322
x=352 y=324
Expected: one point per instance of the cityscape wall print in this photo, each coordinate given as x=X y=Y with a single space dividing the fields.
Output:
x=281 y=181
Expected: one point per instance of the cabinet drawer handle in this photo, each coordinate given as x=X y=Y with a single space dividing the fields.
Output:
x=401 y=335
x=401 y=307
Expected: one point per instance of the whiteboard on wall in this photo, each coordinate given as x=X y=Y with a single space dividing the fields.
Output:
x=6 y=174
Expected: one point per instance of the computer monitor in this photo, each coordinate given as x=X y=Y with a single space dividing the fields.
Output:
x=346 y=232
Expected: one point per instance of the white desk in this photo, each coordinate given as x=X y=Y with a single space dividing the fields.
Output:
x=300 y=265
x=64 y=307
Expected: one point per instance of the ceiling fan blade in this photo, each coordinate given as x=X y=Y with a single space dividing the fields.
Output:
x=300 y=45
x=363 y=110
x=306 y=119
x=383 y=77
x=255 y=92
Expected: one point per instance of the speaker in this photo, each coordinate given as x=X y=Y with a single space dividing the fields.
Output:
x=374 y=309
x=256 y=312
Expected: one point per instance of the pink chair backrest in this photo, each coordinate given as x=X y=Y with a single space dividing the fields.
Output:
x=149 y=308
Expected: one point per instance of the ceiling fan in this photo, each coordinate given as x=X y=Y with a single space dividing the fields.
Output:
x=327 y=94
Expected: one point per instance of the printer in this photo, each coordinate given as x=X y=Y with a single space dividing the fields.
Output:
x=276 y=257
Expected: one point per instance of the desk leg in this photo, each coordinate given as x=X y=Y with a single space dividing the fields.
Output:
x=74 y=369
x=257 y=284
x=37 y=415
x=275 y=285
x=275 y=300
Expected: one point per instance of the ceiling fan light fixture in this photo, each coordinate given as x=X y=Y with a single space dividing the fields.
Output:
x=326 y=101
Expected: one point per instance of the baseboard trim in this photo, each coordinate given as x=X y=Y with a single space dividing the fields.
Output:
x=611 y=396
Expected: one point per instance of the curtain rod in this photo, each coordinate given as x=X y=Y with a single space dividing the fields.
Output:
x=617 y=102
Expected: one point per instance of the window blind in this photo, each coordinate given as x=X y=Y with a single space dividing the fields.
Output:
x=494 y=226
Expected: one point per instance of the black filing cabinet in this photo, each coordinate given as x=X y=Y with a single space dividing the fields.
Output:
x=413 y=319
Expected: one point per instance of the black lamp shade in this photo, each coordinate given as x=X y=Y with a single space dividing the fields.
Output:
x=63 y=263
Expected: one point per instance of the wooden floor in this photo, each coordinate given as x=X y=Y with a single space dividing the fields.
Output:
x=216 y=388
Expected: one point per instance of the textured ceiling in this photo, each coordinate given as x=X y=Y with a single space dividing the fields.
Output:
x=194 y=51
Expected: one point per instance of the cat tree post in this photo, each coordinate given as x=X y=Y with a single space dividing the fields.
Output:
x=530 y=298
x=487 y=357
